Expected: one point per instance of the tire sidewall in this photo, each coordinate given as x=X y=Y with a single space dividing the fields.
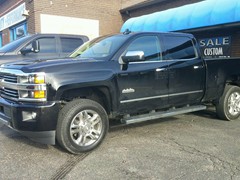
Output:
x=65 y=123
x=228 y=115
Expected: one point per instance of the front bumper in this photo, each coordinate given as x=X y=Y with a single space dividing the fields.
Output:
x=37 y=121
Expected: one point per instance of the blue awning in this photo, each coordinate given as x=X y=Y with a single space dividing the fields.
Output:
x=203 y=14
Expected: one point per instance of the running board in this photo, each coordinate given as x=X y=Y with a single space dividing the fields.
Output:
x=162 y=114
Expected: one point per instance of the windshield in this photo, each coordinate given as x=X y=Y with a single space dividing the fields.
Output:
x=99 y=48
x=13 y=45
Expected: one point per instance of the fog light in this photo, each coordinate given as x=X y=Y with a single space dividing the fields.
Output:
x=39 y=94
x=29 y=116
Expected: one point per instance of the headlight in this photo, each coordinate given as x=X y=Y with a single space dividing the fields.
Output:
x=36 y=79
x=32 y=87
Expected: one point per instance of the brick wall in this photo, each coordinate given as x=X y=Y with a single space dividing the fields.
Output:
x=107 y=12
x=8 y=5
x=128 y=3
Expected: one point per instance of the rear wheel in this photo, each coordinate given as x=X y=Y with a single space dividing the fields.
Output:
x=228 y=107
x=82 y=125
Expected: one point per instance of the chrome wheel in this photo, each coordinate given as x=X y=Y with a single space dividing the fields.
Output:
x=86 y=128
x=234 y=103
x=228 y=107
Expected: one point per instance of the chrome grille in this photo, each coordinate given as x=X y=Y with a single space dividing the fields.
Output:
x=9 y=78
x=7 y=92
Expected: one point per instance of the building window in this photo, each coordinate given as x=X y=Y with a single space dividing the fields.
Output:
x=18 y=31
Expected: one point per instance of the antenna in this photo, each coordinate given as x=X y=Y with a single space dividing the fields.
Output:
x=127 y=31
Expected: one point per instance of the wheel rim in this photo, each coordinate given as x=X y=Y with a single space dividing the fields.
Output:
x=234 y=103
x=86 y=128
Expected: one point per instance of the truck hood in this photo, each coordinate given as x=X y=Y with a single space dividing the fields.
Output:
x=28 y=66
x=60 y=72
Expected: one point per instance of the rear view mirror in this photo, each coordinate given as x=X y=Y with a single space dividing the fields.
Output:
x=133 y=56
x=35 y=48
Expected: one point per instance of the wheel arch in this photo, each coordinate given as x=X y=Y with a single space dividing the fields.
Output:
x=100 y=94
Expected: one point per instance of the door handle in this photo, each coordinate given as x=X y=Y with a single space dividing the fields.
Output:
x=160 y=69
x=197 y=67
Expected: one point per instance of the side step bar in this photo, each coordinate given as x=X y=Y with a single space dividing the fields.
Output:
x=162 y=114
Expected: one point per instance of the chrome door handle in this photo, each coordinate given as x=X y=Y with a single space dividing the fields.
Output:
x=197 y=67
x=160 y=69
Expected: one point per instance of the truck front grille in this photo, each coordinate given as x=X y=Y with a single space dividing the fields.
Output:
x=8 y=78
x=9 y=93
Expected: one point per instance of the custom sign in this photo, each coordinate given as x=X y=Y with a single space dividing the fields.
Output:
x=217 y=47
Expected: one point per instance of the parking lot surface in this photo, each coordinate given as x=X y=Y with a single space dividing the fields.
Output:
x=189 y=146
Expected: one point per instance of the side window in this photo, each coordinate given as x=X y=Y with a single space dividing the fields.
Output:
x=70 y=44
x=178 y=47
x=149 y=45
x=47 y=45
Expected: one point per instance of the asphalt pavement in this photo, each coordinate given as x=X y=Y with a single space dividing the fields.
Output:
x=189 y=146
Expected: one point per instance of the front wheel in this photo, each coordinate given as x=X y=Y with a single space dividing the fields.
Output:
x=228 y=107
x=82 y=125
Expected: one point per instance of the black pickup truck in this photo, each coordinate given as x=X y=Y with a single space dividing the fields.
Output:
x=132 y=77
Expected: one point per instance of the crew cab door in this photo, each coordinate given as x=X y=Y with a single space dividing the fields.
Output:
x=186 y=70
x=143 y=85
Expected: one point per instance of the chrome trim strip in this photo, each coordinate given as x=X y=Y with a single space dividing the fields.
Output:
x=185 y=93
x=162 y=96
x=18 y=86
x=164 y=60
x=24 y=99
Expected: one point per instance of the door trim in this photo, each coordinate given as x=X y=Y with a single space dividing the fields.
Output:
x=162 y=96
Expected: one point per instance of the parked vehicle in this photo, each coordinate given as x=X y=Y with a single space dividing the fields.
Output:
x=132 y=77
x=41 y=46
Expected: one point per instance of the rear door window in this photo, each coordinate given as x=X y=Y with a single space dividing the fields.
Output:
x=70 y=44
x=178 y=47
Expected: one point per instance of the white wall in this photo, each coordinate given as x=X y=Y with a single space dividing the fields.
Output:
x=69 y=25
